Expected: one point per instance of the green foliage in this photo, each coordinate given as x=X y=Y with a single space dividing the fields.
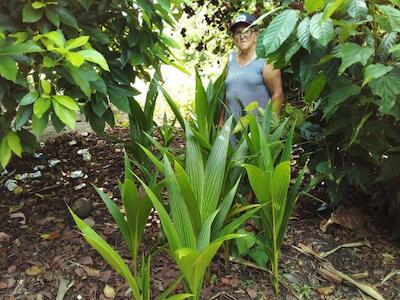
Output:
x=61 y=57
x=195 y=222
x=347 y=69
x=269 y=175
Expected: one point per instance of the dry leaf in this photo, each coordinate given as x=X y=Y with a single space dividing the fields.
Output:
x=92 y=272
x=252 y=293
x=4 y=237
x=351 y=218
x=3 y=285
x=19 y=215
x=85 y=260
x=33 y=271
x=109 y=292
x=327 y=290
x=51 y=236
x=234 y=282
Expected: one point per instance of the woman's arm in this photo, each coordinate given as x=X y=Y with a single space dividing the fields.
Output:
x=272 y=78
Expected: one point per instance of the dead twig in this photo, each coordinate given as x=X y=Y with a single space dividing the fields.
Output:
x=370 y=291
x=348 y=245
x=308 y=251
x=390 y=275
x=45 y=189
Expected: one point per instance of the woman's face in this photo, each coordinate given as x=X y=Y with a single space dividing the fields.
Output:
x=244 y=39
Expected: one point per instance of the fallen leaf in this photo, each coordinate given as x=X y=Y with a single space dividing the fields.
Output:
x=33 y=271
x=44 y=221
x=11 y=269
x=109 y=292
x=327 y=290
x=105 y=276
x=19 y=215
x=4 y=237
x=234 y=282
x=51 y=236
x=252 y=293
x=85 y=260
x=3 y=285
x=11 y=282
x=92 y=272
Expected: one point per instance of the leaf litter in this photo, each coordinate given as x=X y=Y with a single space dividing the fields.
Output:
x=50 y=238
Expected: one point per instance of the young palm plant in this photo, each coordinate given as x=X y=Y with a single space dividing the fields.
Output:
x=194 y=225
x=137 y=208
x=270 y=175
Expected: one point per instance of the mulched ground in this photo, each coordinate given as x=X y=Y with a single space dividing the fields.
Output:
x=39 y=245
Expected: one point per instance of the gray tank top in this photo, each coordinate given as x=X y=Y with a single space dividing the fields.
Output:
x=245 y=85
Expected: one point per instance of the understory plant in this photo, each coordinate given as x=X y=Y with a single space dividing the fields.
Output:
x=269 y=174
x=194 y=224
x=137 y=207
x=343 y=57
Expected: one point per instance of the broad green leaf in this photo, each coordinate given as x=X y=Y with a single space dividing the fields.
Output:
x=357 y=9
x=313 y=5
x=394 y=48
x=188 y=194
x=66 y=17
x=201 y=106
x=174 y=107
x=303 y=33
x=260 y=183
x=29 y=98
x=39 y=124
x=120 y=98
x=375 y=71
x=224 y=209
x=117 y=216
x=38 y=4
x=31 y=15
x=66 y=101
x=332 y=6
x=108 y=254
x=40 y=106
x=321 y=29
x=95 y=57
x=86 y=4
x=387 y=87
x=393 y=16
x=75 y=58
x=389 y=168
x=46 y=86
x=77 y=42
x=56 y=37
x=352 y=53
x=66 y=115
x=8 y=68
x=153 y=159
x=137 y=211
x=14 y=143
x=279 y=191
x=179 y=210
x=314 y=88
x=215 y=171
x=81 y=80
x=166 y=222
x=279 y=30
x=287 y=150
x=395 y=2
x=21 y=48
x=24 y=113
x=5 y=152
x=338 y=96
x=53 y=17
x=203 y=239
x=194 y=164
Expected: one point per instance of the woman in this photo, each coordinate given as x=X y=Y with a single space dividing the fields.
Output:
x=249 y=79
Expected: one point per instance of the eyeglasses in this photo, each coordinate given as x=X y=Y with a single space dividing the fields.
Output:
x=245 y=33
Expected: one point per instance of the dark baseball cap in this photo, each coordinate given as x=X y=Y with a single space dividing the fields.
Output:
x=243 y=18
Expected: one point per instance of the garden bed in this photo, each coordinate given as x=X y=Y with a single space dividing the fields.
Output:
x=40 y=246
